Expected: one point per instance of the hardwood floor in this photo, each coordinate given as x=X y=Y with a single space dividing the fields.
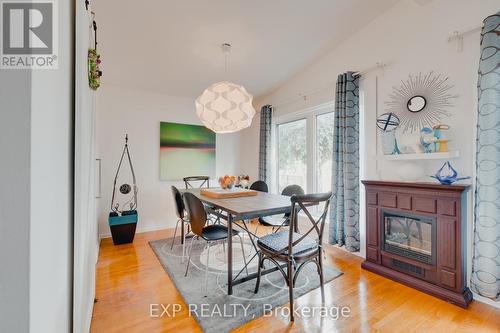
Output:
x=130 y=278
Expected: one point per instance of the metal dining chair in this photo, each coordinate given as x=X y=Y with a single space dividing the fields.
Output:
x=182 y=217
x=260 y=186
x=277 y=221
x=196 y=181
x=211 y=233
x=293 y=248
x=201 y=182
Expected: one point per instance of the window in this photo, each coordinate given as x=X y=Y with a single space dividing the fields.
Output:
x=304 y=148
x=292 y=163
x=324 y=151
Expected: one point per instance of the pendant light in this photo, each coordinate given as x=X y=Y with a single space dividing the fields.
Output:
x=225 y=107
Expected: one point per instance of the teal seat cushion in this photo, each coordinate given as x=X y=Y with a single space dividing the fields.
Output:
x=277 y=241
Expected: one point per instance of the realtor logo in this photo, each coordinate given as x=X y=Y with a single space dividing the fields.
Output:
x=29 y=35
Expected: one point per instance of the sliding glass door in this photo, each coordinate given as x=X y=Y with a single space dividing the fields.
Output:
x=292 y=154
x=304 y=147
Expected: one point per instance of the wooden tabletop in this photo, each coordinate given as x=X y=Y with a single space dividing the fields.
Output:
x=263 y=204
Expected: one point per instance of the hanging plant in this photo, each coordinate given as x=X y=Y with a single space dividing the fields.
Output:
x=94 y=60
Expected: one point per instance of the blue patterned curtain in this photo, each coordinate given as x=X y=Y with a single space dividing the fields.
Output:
x=486 y=261
x=344 y=206
x=266 y=113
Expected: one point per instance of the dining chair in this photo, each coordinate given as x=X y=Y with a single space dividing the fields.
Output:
x=210 y=233
x=279 y=221
x=196 y=181
x=182 y=217
x=201 y=182
x=260 y=186
x=293 y=248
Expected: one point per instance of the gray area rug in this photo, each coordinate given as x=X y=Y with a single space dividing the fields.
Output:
x=209 y=304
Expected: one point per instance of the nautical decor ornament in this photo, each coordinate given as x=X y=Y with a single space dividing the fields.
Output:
x=125 y=189
x=388 y=122
x=447 y=175
x=421 y=101
x=225 y=107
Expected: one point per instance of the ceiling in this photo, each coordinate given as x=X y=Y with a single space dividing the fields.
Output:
x=173 y=47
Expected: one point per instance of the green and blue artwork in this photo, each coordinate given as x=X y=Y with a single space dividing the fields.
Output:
x=186 y=150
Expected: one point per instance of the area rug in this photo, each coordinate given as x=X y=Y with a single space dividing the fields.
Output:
x=209 y=304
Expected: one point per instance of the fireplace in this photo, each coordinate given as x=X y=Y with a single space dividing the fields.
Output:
x=415 y=235
x=409 y=235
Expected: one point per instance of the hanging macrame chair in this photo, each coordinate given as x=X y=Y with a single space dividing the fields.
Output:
x=123 y=216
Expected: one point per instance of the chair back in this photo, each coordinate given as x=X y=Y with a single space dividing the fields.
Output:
x=196 y=212
x=299 y=203
x=260 y=186
x=292 y=190
x=179 y=204
x=196 y=181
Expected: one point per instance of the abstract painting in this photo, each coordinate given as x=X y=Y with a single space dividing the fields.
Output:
x=186 y=150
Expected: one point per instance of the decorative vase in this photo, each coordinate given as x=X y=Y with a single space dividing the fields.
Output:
x=409 y=143
x=441 y=133
x=389 y=144
x=442 y=145
x=427 y=139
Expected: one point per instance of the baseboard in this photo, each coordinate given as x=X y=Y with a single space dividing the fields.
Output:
x=139 y=230
x=342 y=248
x=485 y=300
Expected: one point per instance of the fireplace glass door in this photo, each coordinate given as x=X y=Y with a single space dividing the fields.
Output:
x=409 y=236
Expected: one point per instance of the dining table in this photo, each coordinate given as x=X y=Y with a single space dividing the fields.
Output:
x=242 y=209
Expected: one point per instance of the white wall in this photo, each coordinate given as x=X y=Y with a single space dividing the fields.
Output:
x=138 y=114
x=411 y=39
x=51 y=223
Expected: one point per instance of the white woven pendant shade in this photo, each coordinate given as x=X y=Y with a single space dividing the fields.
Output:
x=225 y=107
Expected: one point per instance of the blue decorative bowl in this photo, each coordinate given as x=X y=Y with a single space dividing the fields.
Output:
x=447 y=175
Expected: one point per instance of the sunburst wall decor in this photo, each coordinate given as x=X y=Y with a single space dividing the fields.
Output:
x=422 y=100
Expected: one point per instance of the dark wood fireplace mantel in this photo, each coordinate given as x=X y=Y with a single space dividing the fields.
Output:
x=444 y=205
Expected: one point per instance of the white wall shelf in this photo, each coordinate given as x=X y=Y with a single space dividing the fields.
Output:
x=423 y=156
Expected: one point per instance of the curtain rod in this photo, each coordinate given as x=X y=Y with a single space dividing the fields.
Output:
x=304 y=95
x=378 y=65
x=460 y=34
